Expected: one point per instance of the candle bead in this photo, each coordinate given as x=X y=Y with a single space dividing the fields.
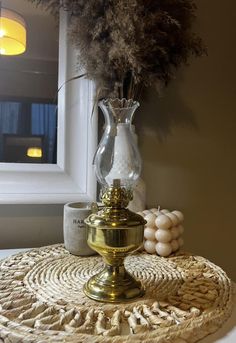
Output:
x=149 y=233
x=145 y=212
x=150 y=246
x=163 y=222
x=179 y=215
x=150 y=218
x=153 y=210
x=164 y=211
x=173 y=217
x=181 y=229
x=175 y=232
x=163 y=236
x=163 y=249
x=175 y=245
x=181 y=241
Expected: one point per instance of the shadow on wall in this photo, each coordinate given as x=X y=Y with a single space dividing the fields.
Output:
x=163 y=113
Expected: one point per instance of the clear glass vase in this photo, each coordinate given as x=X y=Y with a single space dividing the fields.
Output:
x=117 y=156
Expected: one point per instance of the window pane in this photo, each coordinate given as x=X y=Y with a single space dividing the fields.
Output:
x=28 y=89
x=28 y=132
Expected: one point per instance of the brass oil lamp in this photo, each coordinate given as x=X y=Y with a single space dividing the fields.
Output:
x=114 y=231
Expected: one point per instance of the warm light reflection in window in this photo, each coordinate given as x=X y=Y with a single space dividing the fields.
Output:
x=34 y=152
x=12 y=33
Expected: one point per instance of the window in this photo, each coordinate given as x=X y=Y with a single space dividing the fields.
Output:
x=71 y=178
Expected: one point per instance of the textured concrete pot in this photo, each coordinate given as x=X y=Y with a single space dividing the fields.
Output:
x=75 y=230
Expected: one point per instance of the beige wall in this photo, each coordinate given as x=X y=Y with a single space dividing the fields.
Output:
x=30 y=225
x=187 y=140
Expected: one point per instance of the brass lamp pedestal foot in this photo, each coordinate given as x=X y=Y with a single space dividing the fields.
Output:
x=113 y=285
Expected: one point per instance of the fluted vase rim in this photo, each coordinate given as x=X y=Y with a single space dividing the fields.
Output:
x=119 y=104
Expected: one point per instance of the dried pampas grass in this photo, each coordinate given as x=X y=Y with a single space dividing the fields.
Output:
x=126 y=44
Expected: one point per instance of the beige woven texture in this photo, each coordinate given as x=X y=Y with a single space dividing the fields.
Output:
x=41 y=299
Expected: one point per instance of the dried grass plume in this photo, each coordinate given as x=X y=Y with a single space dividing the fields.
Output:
x=127 y=44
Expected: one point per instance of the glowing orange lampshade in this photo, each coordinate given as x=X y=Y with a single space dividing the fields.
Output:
x=12 y=33
x=34 y=152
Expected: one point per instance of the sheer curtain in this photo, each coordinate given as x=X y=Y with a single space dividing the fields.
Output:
x=9 y=120
x=44 y=122
x=30 y=119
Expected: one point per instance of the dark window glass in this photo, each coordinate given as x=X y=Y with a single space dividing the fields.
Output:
x=28 y=132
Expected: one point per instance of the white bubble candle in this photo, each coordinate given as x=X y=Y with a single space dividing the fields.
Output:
x=163 y=231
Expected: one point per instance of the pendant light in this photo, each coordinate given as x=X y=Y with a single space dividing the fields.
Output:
x=12 y=32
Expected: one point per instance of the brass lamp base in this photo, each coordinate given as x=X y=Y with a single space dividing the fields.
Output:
x=113 y=285
x=114 y=232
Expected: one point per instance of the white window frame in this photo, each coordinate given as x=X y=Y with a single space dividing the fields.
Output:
x=72 y=178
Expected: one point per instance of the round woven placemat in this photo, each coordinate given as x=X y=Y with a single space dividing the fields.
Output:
x=41 y=299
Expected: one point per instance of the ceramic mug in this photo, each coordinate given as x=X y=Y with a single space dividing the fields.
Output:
x=74 y=228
